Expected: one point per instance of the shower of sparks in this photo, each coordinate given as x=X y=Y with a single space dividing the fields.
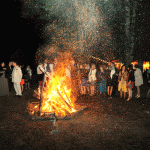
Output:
x=78 y=25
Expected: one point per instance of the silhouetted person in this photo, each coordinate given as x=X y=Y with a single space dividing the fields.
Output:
x=9 y=70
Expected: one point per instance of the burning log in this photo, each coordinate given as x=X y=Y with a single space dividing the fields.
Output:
x=63 y=100
x=66 y=95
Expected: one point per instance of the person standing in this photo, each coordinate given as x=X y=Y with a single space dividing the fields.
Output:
x=112 y=80
x=101 y=80
x=148 y=81
x=2 y=69
x=92 y=79
x=9 y=75
x=23 y=78
x=40 y=73
x=48 y=67
x=83 y=79
x=28 y=76
x=16 y=78
x=138 y=79
x=108 y=79
x=122 y=79
x=130 y=81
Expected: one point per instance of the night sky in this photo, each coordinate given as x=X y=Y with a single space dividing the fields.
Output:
x=27 y=24
x=20 y=39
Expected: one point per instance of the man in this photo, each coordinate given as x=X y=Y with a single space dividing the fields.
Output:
x=40 y=73
x=16 y=78
x=112 y=82
x=9 y=75
x=48 y=69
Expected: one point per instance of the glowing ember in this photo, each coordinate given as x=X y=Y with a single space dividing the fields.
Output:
x=57 y=92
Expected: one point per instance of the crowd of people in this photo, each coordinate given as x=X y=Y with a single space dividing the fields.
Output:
x=104 y=79
x=108 y=80
x=16 y=76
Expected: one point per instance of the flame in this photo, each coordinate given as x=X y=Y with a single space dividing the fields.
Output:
x=57 y=94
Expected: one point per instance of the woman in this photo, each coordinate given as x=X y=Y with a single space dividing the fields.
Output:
x=92 y=79
x=130 y=81
x=108 y=79
x=28 y=76
x=122 y=79
x=83 y=79
x=138 y=79
x=102 y=80
x=2 y=69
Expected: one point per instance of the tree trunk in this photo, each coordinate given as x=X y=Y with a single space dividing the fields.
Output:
x=127 y=29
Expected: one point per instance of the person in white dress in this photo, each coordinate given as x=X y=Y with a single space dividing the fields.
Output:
x=16 y=78
x=138 y=79
x=92 y=79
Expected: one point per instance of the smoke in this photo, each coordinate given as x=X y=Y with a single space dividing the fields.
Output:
x=73 y=25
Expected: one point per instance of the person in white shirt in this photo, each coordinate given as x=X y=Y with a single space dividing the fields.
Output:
x=112 y=73
x=92 y=79
x=16 y=78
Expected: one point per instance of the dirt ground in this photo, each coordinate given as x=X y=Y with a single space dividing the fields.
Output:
x=105 y=124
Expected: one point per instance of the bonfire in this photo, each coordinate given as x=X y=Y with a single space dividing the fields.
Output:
x=58 y=91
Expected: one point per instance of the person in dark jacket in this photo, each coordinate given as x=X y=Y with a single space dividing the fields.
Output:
x=9 y=70
x=130 y=81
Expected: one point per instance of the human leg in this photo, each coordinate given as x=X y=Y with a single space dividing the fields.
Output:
x=108 y=89
x=111 y=89
x=84 y=89
x=125 y=95
x=128 y=95
x=100 y=88
x=104 y=86
x=16 y=89
x=138 y=91
x=148 y=92
x=28 y=85
x=21 y=87
x=120 y=93
x=10 y=84
x=81 y=90
x=92 y=90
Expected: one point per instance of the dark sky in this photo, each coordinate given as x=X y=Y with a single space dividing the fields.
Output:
x=20 y=37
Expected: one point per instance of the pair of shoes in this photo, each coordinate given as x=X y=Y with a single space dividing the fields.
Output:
x=110 y=97
x=138 y=96
x=128 y=99
x=19 y=95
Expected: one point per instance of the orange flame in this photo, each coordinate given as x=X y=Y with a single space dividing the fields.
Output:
x=57 y=94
